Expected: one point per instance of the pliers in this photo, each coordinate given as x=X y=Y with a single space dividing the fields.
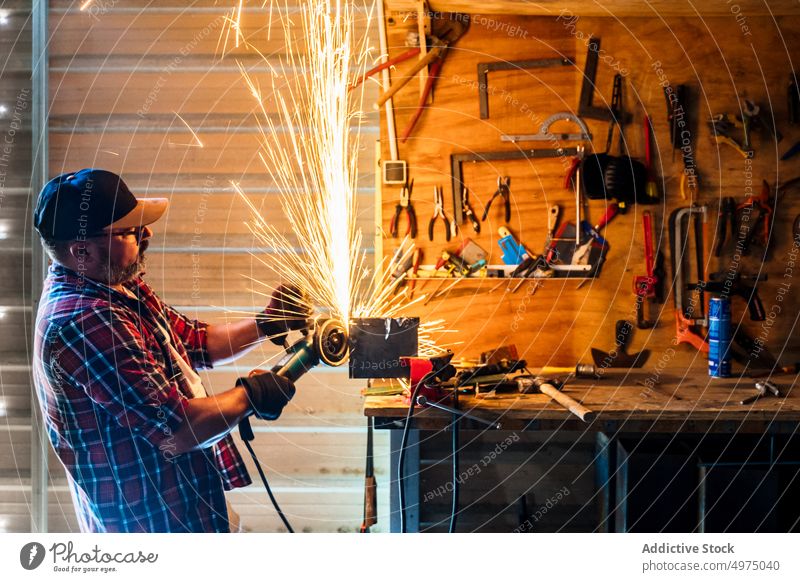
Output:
x=752 y=117
x=722 y=126
x=467 y=213
x=405 y=204
x=727 y=214
x=438 y=211
x=504 y=191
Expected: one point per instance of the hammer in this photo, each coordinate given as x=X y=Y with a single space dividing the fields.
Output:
x=540 y=384
x=579 y=371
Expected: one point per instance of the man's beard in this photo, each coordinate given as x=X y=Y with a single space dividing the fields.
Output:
x=115 y=274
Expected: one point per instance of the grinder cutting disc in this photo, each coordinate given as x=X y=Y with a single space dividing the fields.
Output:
x=332 y=342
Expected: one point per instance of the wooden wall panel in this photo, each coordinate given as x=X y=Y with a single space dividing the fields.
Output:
x=144 y=152
x=15 y=273
x=559 y=323
x=175 y=30
x=611 y=8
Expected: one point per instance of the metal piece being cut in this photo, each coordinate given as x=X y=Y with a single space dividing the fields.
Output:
x=377 y=346
x=327 y=342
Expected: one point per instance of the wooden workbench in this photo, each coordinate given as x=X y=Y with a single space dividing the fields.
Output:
x=623 y=408
x=620 y=404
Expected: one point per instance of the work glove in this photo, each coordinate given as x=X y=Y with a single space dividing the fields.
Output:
x=268 y=393
x=288 y=310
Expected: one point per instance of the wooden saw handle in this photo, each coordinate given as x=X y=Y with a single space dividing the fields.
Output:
x=431 y=56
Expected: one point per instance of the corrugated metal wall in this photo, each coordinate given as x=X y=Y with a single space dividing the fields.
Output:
x=15 y=273
x=119 y=74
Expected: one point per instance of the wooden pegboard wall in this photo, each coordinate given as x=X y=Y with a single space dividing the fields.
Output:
x=716 y=57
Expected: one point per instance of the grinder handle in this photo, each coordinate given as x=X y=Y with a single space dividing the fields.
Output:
x=567 y=402
x=298 y=364
x=304 y=356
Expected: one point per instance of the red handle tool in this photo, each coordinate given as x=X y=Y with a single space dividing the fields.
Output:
x=611 y=212
x=433 y=74
x=385 y=65
x=646 y=285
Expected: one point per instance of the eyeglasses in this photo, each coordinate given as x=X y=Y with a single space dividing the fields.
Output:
x=136 y=231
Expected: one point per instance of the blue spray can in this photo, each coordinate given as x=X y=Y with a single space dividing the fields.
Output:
x=719 y=337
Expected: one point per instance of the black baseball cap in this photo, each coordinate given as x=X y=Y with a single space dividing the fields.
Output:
x=81 y=204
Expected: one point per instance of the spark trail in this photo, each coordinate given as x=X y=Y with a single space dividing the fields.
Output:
x=310 y=131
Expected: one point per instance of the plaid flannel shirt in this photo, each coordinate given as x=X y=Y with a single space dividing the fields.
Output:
x=112 y=397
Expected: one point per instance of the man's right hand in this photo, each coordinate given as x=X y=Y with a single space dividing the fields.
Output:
x=268 y=392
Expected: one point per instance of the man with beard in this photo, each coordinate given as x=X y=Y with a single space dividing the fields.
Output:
x=145 y=448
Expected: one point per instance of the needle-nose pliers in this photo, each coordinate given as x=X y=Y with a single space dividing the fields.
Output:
x=504 y=191
x=438 y=212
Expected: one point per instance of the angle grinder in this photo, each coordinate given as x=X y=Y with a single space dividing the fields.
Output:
x=325 y=342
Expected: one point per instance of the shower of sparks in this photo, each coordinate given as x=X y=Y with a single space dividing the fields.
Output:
x=309 y=124
x=197 y=144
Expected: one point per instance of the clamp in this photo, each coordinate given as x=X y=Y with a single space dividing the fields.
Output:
x=553 y=214
x=504 y=191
